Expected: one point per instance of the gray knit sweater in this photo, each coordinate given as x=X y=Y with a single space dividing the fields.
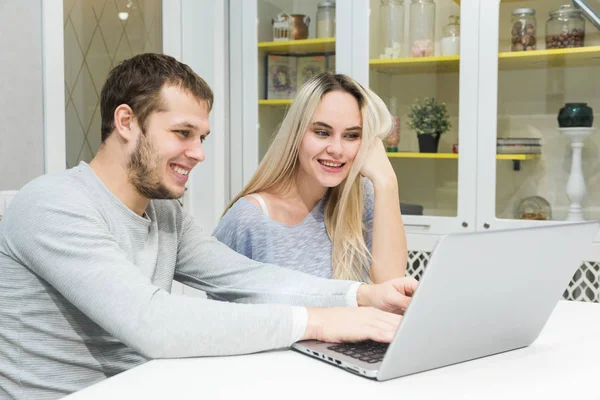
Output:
x=305 y=247
x=85 y=289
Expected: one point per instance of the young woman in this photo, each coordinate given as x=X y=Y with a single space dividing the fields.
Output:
x=307 y=207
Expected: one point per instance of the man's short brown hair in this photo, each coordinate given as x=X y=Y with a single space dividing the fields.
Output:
x=137 y=82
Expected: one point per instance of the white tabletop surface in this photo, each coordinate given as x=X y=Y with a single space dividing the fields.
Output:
x=563 y=363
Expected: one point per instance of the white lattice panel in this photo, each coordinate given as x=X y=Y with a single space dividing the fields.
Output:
x=585 y=285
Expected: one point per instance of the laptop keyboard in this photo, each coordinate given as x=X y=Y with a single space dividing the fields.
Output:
x=369 y=351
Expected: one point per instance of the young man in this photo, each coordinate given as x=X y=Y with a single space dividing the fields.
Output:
x=88 y=257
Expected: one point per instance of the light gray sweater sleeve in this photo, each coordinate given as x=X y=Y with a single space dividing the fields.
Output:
x=66 y=242
x=209 y=265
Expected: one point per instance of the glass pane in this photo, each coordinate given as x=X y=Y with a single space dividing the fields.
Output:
x=289 y=57
x=545 y=62
x=414 y=56
x=98 y=35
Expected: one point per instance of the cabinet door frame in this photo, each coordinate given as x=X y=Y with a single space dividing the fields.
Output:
x=53 y=71
x=488 y=127
x=421 y=226
x=243 y=89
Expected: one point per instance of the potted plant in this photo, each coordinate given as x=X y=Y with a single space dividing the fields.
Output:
x=430 y=120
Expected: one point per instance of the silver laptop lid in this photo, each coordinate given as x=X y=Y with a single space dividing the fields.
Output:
x=486 y=293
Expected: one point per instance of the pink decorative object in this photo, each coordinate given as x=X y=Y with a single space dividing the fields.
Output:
x=422 y=48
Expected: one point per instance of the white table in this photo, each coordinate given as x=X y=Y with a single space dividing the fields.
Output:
x=563 y=363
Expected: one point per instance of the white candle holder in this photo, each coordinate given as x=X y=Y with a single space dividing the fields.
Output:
x=576 y=189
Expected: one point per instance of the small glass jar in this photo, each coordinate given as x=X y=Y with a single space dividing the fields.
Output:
x=534 y=208
x=391 y=28
x=422 y=28
x=451 y=37
x=326 y=19
x=565 y=28
x=523 y=31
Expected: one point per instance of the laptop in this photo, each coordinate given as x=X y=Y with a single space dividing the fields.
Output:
x=482 y=293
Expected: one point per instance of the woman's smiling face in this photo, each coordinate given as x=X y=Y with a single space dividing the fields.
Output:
x=331 y=141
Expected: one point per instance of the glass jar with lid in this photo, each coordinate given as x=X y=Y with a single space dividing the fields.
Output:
x=391 y=28
x=326 y=19
x=422 y=28
x=523 y=31
x=565 y=28
x=451 y=37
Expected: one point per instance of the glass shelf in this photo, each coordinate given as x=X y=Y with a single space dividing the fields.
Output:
x=538 y=59
x=323 y=45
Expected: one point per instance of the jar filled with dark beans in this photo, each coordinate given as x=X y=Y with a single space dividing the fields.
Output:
x=523 y=32
x=565 y=28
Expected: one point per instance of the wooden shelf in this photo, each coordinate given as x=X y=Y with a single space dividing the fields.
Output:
x=322 y=45
x=537 y=59
x=516 y=157
x=275 y=103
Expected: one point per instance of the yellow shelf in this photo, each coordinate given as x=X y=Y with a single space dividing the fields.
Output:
x=573 y=57
x=422 y=155
x=275 y=103
x=416 y=65
x=503 y=1
x=321 y=45
x=517 y=157
x=579 y=56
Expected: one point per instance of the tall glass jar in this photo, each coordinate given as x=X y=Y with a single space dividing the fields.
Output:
x=451 y=37
x=523 y=31
x=391 y=28
x=326 y=19
x=422 y=28
x=565 y=28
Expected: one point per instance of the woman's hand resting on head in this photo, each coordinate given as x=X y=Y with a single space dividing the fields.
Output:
x=377 y=167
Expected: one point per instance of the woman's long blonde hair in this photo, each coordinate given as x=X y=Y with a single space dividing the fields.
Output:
x=350 y=256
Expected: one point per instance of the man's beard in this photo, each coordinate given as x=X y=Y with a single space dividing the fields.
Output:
x=143 y=171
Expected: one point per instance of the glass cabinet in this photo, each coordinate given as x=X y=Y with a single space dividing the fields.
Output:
x=289 y=53
x=539 y=60
x=276 y=45
x=501 y=161
x=426 y=78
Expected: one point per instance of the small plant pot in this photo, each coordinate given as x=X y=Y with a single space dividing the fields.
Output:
x=428 y=143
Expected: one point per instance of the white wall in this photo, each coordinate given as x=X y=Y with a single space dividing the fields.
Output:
x=21 y=105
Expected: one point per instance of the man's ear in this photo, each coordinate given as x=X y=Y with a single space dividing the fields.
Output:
x=125 y=123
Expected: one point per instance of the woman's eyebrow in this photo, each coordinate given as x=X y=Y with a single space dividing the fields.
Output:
x=324 y=125
x=354 y=128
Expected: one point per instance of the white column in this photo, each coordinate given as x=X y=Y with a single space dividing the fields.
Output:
x=576 y=189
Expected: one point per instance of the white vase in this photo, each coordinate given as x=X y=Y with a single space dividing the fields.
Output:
x=576 y=189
